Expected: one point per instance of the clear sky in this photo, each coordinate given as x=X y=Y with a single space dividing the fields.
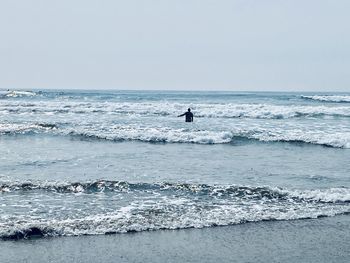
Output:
x=261 y=45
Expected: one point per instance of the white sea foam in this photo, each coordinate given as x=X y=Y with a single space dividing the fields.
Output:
x=22 y=128
x=184 y=135
x=326 y=195
x=171 y=135
x=156 y=134
x=334 y=139
x=329 y=98
x=323 y=195
x=18 y=93
x=256 y=111
x=145 y=121
x=177 y=212
x=266 y=111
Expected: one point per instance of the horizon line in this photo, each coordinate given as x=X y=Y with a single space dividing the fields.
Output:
x=170 y=90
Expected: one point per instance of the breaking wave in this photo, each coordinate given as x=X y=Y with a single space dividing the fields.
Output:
x=25 y=128
x=17 y=93
x=332 y=195
x=178 y=206
x=329 y=98
x=229 y=110
x=168 y=135
x=183 y=135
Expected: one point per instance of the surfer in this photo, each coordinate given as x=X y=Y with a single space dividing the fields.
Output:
x=189 y=115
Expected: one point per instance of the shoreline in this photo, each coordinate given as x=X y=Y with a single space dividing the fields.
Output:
x=309 y=240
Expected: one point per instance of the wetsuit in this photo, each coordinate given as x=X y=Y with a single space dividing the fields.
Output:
x=189 y=116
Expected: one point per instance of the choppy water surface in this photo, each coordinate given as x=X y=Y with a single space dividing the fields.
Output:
x=74 y=163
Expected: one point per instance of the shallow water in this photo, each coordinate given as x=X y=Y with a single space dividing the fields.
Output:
x=315 y=240
x=74 y=163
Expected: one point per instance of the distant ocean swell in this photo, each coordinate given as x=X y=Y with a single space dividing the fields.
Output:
x=20 y=93
x=177 y=206
x=181 y=135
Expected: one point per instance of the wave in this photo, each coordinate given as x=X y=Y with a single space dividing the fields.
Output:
x=168 y=135
x=25 y=128
x=166 y=109
x=331 y=195
x=157 y=135
x=89 y=187
x=334 y=139
x=118 y=133
x=18 y=93
x=149 y=220
x=329 y=98
x=178 y=206
x=266 y=111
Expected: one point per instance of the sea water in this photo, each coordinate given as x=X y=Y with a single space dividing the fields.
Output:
x=101 y=162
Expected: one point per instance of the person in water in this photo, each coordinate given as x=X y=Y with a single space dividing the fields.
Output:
x=189 y=115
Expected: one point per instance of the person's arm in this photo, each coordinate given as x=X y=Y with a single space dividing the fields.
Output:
x=181 y=115
x=192 y=118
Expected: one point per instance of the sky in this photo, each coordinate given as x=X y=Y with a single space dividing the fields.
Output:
x=238 y=45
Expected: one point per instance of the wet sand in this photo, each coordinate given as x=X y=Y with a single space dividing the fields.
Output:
x=310 y=240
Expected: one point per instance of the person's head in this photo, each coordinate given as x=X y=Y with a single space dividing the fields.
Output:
x=189 y=109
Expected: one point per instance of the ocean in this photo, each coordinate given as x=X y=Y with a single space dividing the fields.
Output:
x=76 y=163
